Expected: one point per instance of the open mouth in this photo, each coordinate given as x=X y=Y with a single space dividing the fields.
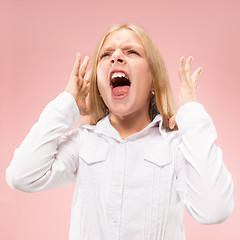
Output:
x=120 y=84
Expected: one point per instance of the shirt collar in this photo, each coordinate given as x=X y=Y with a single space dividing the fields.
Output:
x=104 y=127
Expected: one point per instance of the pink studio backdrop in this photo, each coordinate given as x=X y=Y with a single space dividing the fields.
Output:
x=39 y=40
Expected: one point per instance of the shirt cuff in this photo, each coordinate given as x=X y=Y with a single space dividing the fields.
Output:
x=190 y=114
x=65 y=104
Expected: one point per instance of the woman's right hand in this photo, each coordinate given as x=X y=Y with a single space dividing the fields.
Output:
x=78 y=84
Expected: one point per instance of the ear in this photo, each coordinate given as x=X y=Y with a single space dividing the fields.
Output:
x=152 y=89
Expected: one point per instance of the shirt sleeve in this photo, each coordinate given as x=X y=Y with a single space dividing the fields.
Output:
x=203 y=181
x=48 y=156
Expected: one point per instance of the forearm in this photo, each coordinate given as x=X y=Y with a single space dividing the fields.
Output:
x=34 y=166
x=206 y=186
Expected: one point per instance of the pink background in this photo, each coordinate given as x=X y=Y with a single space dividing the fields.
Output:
x=39 y=40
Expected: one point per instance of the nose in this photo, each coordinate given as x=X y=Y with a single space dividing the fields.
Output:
x=117 y=56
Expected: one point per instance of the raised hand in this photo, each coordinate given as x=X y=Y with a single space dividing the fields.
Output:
x=78 y=84
x=188 y=84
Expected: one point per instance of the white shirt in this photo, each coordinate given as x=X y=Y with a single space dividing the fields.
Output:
x=131 y=189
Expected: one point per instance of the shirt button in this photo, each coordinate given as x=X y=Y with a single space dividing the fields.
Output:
x=117 y=184
x=114 y=220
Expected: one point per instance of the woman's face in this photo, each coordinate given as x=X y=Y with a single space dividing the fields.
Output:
x=123 y=76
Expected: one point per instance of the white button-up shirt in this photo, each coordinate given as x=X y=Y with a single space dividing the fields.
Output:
x=131 y=189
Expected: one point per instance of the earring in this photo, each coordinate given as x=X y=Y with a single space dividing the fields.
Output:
x=152 y=91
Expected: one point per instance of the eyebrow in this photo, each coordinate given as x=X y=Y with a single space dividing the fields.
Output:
x=125 y=46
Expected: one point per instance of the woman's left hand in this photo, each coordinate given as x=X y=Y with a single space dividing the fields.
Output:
x=188 y=84
x=188 y=81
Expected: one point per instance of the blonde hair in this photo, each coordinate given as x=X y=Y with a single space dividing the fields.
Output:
x=162 y=99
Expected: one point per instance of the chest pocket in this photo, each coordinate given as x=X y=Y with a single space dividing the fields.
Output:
x=159 y=162
x=158 y=154
x=94 y=152
x=90 y=180
x=92 y=164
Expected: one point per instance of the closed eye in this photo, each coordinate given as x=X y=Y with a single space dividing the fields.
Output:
x=132 y=51
x=105 y=54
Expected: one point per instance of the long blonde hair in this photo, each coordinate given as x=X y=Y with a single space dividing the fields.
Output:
x=162 y=99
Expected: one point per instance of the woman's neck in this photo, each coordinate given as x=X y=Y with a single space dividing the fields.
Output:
x=130 y=124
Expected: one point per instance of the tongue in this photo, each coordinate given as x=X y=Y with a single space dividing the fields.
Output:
x=119 y=91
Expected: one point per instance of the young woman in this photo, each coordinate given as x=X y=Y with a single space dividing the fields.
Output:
x=134 y=169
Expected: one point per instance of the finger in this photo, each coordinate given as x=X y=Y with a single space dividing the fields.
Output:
x=172 y=122
x=181 y=69
x=88 y=86
x=83 y=67
x=76 y=65
x=188 y=67
x=84 y=89
x=87 y=77
x=196 y=75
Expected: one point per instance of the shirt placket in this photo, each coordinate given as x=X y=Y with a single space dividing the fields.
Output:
x=114 y=208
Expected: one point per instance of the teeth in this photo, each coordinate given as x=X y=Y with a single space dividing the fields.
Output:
x=119 y=74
